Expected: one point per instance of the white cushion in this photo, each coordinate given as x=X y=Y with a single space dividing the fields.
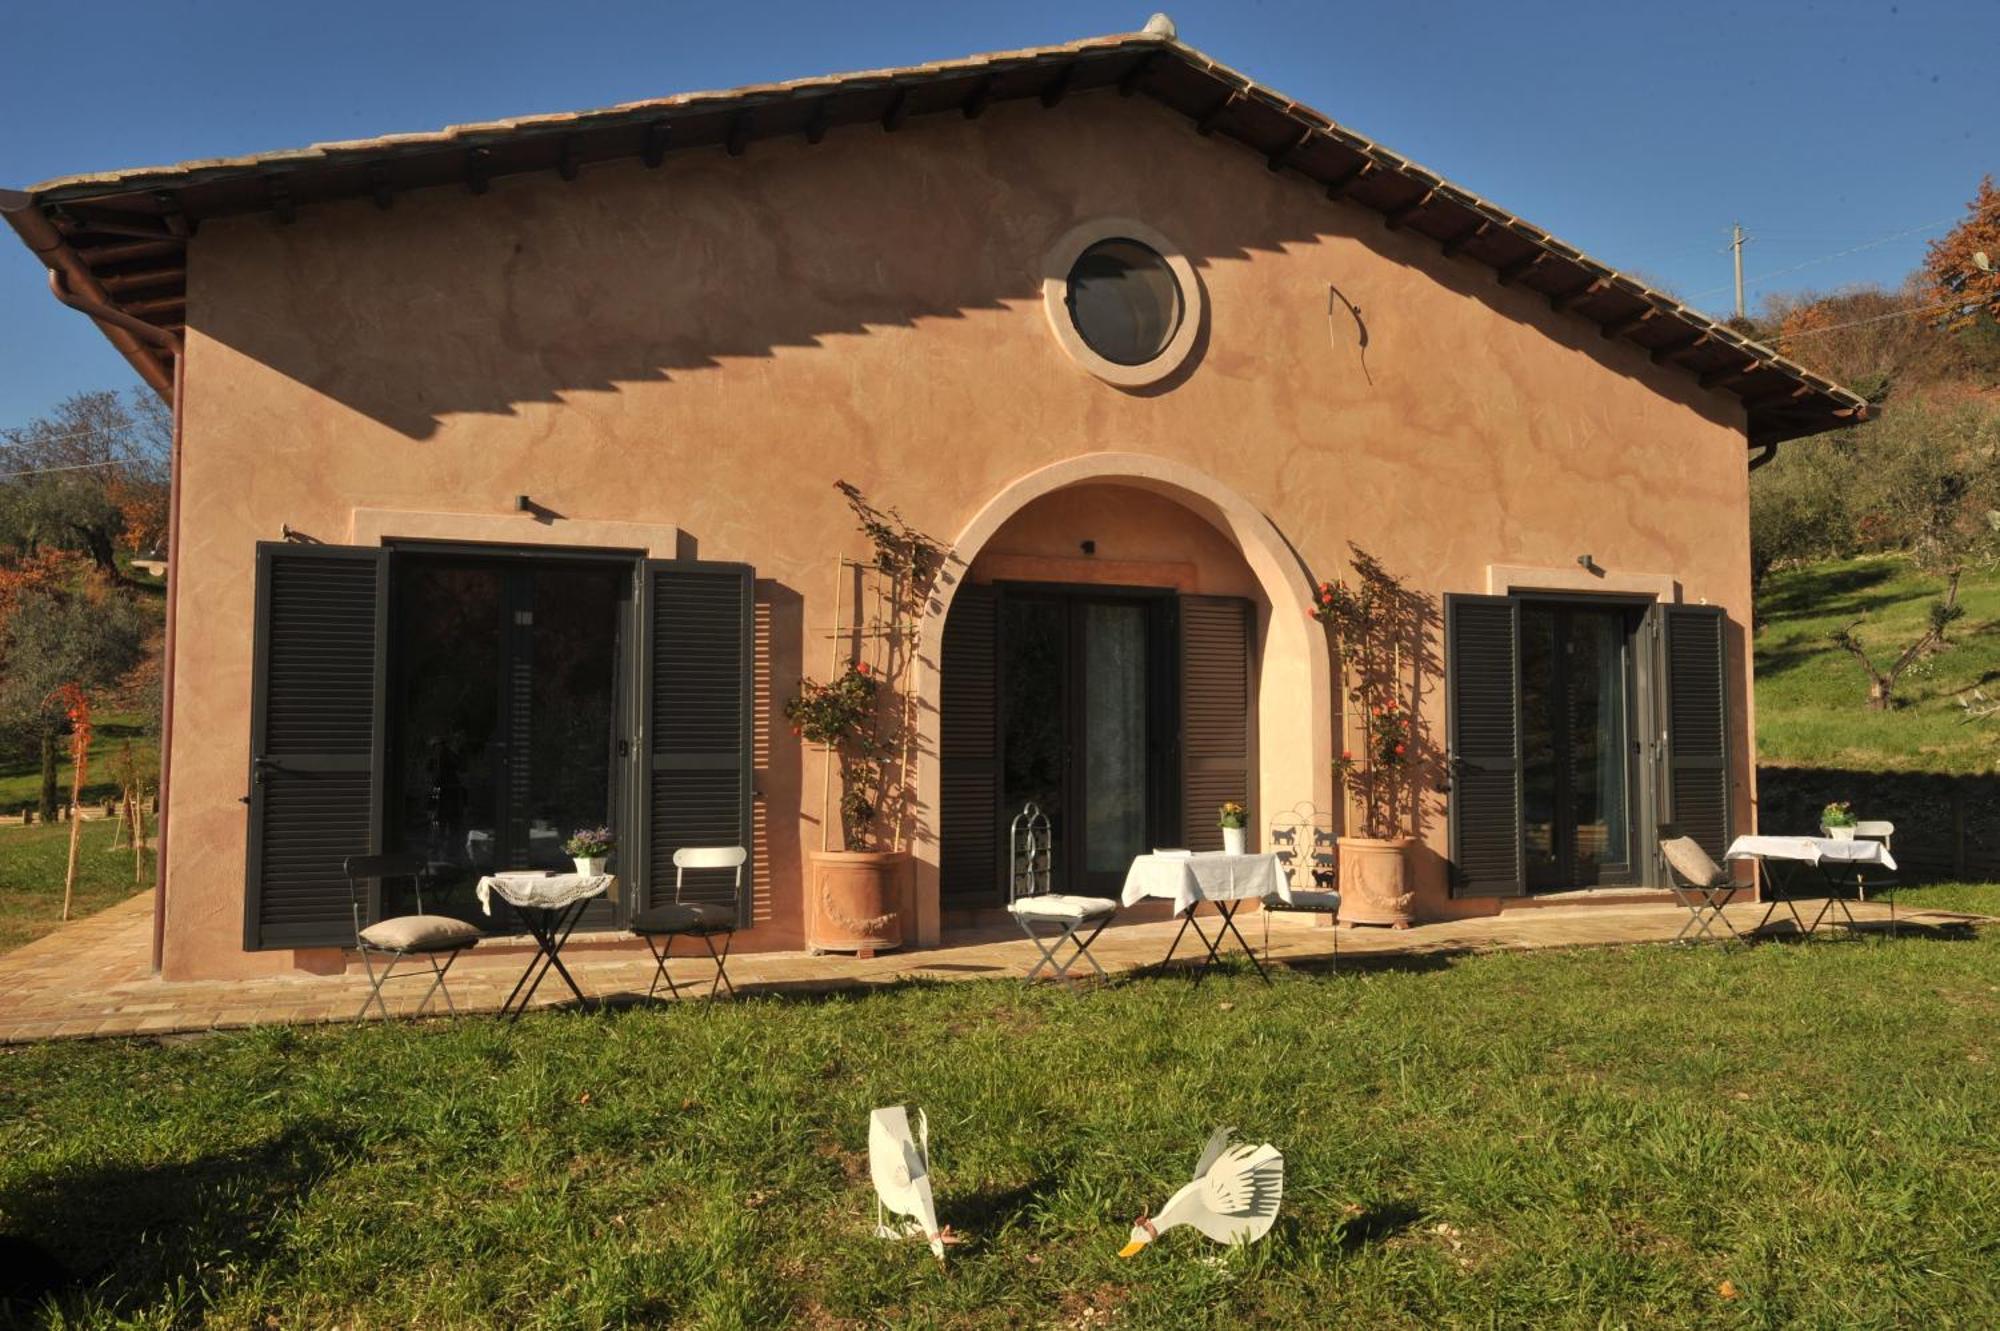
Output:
x=421 y=933
x=1060 y=907
x=1310 y=899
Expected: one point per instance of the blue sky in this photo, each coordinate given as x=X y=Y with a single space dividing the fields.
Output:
x=1638 y=131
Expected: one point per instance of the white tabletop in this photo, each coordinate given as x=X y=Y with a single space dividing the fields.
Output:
x=541 y=891
x=1204 y=876
x=1810 y=850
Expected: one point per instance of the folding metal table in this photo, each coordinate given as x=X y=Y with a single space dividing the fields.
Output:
x=1189 y=878
x=549 y=905
x=1838 y=863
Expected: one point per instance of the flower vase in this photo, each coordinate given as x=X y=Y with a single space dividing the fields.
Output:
x=1232 y=841
x=1840 y=833
x=590 y=866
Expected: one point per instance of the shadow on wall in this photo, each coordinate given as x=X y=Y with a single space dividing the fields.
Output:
x=1947 y=827
x=1397 y=657
x=129 y=1237
x=539 y=289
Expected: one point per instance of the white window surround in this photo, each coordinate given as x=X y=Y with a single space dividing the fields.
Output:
x=377 y=526
x=1062 y=257
x=1504 y=578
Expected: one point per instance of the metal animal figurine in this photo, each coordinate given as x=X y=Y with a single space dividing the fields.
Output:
x=1233 y=1199
x=900 y=1164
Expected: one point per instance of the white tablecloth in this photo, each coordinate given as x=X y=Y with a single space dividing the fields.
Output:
x=540 y=891
x=1207 y=876
x=1810 y=850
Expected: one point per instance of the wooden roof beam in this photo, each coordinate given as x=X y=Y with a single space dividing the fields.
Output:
x=1510 y=273
x=1674 y=351
x=897 y=111
x=1367 y=170
x=737 y=141
x=1282 y=155
x=1130 y=81
x=137 y=226
x=156 y=305
x=566 y=164
x=1216 y=114
x=1396 y=218
x=97 y=256
x=141 y=279
x=378 y=185
x=1731 y=373
x=979 y=98
x=658 y=132
x=1466 y=237
x=1765 y=400
x=1054 y=90
x=477 y=163
x=1563 y=301
x=1627 y=327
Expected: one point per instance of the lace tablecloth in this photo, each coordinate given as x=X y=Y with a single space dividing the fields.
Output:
x=541 y=891
x=1205 y=876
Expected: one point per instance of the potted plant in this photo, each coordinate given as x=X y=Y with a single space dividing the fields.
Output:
x=589 y=846
x=1232 y=819
x=1837 y=820
x=861 y=717
x=1377 y=783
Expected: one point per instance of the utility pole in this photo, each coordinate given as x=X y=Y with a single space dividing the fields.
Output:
x=1736 y=239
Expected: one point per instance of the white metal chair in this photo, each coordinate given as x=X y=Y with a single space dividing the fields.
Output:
x=661 y=925
x=1882 y=880
x=1034 y=904
x=1701 y=885
x=1317 y=857
x=403 y=937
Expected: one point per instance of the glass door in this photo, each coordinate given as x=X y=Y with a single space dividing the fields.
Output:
x=1084 y=674
x=505 y=717
x=1578 y=752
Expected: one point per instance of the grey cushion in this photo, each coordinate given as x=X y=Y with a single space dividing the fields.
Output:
x=685 y=918
x=1059 y=906
x=421 y=933
x=1686 y=858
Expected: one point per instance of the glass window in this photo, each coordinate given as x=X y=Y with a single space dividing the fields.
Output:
x=1124 y=301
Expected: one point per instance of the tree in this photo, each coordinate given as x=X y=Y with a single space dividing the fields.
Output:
x=87 y=638
x=1932 y=488
x=97 y=477
x=1957 y=278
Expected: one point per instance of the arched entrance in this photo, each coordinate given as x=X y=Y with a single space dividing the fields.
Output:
x=1292 y=728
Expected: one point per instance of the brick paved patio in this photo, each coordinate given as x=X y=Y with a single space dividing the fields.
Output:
x=91 y=978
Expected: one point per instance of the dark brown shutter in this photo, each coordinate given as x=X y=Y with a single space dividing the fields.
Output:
x=1217 y=722
x=969 y=748
x=1483 y=712
x=697 y=725
x=315 y=739
x=1697 y=725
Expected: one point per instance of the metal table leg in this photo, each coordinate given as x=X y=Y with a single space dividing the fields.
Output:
x=550 y=929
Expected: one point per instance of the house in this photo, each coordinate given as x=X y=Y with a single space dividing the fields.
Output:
x=505 y=462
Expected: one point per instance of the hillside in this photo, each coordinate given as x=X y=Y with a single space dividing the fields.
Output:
x=1811 y=695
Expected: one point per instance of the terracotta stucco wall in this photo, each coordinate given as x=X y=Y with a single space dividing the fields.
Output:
x=707 y=346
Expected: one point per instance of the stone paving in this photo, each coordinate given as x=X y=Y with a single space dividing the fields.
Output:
x=92 y=979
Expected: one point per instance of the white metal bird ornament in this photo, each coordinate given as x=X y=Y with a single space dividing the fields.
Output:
x=900 y=1164
x=1233 y=1199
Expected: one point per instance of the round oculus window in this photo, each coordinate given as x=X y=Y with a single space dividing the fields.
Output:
x=1124 y=301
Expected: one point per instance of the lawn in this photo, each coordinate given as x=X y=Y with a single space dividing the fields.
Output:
x=1778 y=1136
x=32 y=860
x=21 y=768
x=1812 y=696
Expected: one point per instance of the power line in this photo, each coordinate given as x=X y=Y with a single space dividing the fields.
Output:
x=1876 y=319
x=75 y=466
x=1762 y=278
x=16 y=436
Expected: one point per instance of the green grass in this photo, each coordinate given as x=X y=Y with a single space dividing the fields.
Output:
x=1961 y=898
x=21 y=769
x=32 y=860
x=1562 y=1139
x=1812 y=706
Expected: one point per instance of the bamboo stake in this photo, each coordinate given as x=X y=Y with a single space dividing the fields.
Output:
x=78 y=763
x=138 y=836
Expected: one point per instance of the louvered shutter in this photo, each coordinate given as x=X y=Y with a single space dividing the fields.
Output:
x=1483 y=712
x=697 y=727
x=1217 y=726
x=969 y=813
x=315 y=739
x=1697 y=724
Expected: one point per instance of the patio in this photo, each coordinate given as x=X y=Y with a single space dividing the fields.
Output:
x=91 y=978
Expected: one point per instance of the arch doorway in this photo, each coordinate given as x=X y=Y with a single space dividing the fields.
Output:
x=1123 y=641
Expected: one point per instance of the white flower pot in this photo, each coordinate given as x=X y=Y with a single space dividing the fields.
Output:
x=589 y=867
x=1232 y=840
x=1839 y=833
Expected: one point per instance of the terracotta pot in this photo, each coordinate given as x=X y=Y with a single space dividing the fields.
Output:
x=854 y=900
x=1375 y=881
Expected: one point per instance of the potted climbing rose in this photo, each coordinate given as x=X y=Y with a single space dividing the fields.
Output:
x=1378 y=780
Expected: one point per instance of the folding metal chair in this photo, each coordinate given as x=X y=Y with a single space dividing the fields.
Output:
x=662 y=924
x=1701 y=885
x=1873 y=878
x=1317 y=857
x=1033 y=903
x=403 y=937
